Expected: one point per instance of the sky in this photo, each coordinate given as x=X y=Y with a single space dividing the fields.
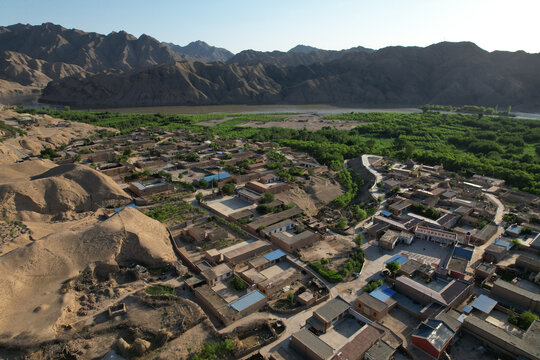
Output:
x=280 y=25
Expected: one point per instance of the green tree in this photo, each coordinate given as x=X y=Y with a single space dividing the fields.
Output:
x=341 y=224
x=267 y=198
x=526 y=319
x=393 y=266
x=517 y=243
x=49 y=153
x=228 y=188
x=203 y=184
x=290 y=298
x=199 y=197
x=238 y=284
x=192 y=157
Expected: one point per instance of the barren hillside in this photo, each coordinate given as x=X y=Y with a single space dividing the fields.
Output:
x=36 y=272
x=59 y=193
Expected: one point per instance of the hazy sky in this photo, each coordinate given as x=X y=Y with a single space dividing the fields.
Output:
x=280 y=25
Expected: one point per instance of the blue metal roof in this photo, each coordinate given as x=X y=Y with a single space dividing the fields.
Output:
x=221 y=176
x=274 y=255
x=123 y=207
x=386 y=213
x=508 y=245
x=399 y=258
x=247 y=300
x=463 y=253
x=484 y=303
x=382 y=293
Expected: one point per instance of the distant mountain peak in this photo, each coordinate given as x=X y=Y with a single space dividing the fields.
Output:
x=302 y=49
x=200 y=51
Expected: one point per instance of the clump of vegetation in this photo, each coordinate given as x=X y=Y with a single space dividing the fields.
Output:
x=355 y=262
x=267 y=198
x=173 y=210
x=290 y=298
x=523 y=320
x=49 y=153
x=341 y=224
x=11 y=131
x=158 y=271
x=228 y=188
x=215 y=350
x=332 y=276
x=160 y=290
x=347 y=178
x=238 y=284
x=430 y=213
x=359 y=213
x=468 y=109
x=517 y=243
x=510 y=218
x=265 y=208
x=372 y=285
x=199 y=196
x=393 y=266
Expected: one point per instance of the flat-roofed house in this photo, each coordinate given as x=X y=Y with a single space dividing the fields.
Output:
x=217 y=273
x=516 y=295
x=436 y=235
x=150 y=187
x=289 y=242
x=433 y=337
x=389 y=240
x=327 y=315
x=449 y=294
x=239 y=253
x=310 y=345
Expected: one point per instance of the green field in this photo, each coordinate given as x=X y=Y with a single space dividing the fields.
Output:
x=502 y=147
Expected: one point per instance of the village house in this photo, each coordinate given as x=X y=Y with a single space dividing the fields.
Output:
x=150 y=187
x=221 y=272
x=433 y=337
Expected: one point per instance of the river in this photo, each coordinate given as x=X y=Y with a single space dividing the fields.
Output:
x=31 y=101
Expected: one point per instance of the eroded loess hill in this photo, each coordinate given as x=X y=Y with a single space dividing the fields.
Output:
x=58 y=193
x=32 y=276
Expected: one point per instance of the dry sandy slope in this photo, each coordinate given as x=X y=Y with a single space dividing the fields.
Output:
x=57 y=193
x=7 y=155
x=48 y=132
x=23 y=171
x=30 y=300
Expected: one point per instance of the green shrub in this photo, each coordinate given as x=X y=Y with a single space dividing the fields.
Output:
x=215 y=350
x=393 y=266
x=160 y=290
x=331 y=275
x=238 y=284
x=372 y=285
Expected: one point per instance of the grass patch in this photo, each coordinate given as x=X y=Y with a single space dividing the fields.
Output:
x=160 y=290
x=173 y=210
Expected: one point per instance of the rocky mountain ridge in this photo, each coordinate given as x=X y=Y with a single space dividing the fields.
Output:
x=119 y=69
x=445 y=73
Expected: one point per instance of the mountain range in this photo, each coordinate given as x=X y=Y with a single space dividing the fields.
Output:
x=90 y=70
